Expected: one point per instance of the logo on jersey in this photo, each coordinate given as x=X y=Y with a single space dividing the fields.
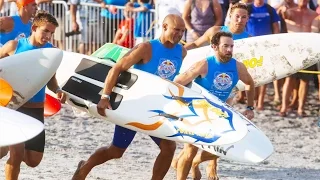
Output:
x=20 y=36
x=166 y=68
x=222 y=81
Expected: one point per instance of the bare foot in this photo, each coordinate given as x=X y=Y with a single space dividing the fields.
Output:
x=213 y=176
x=196 y=173
x=260 y=108
x=76 y=175
x=212 y=173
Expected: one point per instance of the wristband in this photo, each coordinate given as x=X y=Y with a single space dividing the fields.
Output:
x=105 y=96
x=250 y=108
x=58 y=89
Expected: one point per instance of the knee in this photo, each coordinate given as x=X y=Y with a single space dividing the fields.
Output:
x=3 y=152
x=32 y=162
x=190 y=152
x=115 y=152
x=168 y=147
x=16 y=154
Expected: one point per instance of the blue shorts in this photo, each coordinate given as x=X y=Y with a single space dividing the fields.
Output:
x=122 y=137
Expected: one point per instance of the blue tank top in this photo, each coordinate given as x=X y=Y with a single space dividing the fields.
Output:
x=235 y=36
x=221 y=77
x=22 y=46
x=164 y=62
x=19 y=30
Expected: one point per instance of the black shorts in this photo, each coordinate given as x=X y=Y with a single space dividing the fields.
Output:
x=37 y=143
x=306 y=76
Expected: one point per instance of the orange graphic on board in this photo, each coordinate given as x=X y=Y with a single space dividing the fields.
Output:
x=6 y=92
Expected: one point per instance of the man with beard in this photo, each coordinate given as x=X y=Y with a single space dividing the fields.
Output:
x=237 y=23
x=206 y=73
x=147 y=56
x=19 y=26
x=238 y=20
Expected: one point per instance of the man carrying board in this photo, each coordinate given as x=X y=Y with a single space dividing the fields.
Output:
x=239 y=17
x=31 y=152
x=238 y=20
x=152 y=56
x=209 y=73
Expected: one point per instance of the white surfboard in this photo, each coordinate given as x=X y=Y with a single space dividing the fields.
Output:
x=28 y=72
x=16 y=127
x=268 y=57
x=146 y=103
x=255 y=147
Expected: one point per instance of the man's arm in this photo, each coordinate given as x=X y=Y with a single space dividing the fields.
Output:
x=184 y=52
x=275 y=22
x=6 y=24
x=73 y=12
x=43 y=1
x=197 y=69
x=205 y=38
x=246 y=78
x=316 y=25
x=8 y=49
x=217 y=10
x=1 y=4
x=53 y=84
x=134 y=56
x=142 y=8
x=186 y=14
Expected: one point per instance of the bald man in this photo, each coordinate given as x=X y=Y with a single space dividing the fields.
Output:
x=162 y=57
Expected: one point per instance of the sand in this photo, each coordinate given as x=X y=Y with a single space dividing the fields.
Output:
x=72 y=137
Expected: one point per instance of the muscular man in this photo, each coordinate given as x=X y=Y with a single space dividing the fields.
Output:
x=147 y=56
x=238 y=20
x=205 y=72
x=237 y=23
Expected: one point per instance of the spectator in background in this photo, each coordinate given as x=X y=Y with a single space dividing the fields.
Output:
x=286 y=4
x=200 y=15
x=227 y=20
x=263 y=20
x=89 y=22
x=19 y=26
x=124 y=35
x=111 y=18
x=165 y=7
x=298 y=19
x=275 y=3
x=143 y=20
x=316 y=29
